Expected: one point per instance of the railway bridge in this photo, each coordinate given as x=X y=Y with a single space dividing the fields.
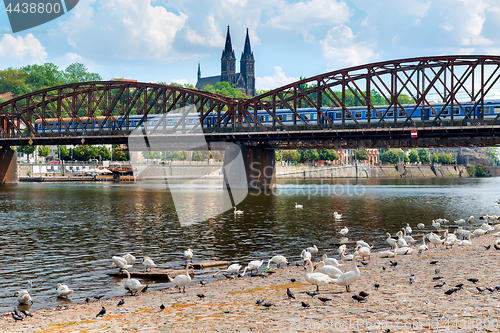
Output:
x=418 y=102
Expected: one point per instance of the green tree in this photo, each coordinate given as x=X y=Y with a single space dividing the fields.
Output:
x=309 y=155
x=197 y=156
x=181 y=155
x=413 y=156
x=277 y=155
x=63 y=153
x=43 y=151
x=291 y=156
x=80 y=153
x=393 y=156
x=423 y=155
x=361 y=155
x=225 y=89
x=435 y=158
x=119 y=154
x=13 y=80
x=28 y=150
x=43 y=76
x=328 y=155
x=79 y=73
x=480 y=172
x=104 y=153
x=471 y=169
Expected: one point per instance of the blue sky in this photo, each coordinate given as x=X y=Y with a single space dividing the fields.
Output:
x=163 y=40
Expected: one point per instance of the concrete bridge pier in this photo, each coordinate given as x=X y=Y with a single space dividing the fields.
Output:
x=254 y=169
x=8 y=166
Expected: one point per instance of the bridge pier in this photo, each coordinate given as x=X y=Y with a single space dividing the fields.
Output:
x=259 y=168
x=8 y=166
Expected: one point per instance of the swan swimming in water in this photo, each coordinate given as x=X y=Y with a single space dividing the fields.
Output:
x=348 y=278
x=298 y=206
x=337 y=216
x=23 y=297
x=237 y=212
x=421 y=226
x=344 y=231
x=183 y=280
x=63 y=290
x=318 y=279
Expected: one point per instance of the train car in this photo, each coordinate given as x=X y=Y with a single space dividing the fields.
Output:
x=68 y=124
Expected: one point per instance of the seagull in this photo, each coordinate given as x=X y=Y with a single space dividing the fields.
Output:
x=289 y=293
x=359 y=298
x=305 y=305
x=162 y=307
x=473 y=280
x=363 y=294
x=439 y=285
x=121 y=302
x=324 y=299
x=102 y=312
x=412 y=278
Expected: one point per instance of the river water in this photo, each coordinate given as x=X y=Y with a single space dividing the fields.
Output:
x=67 y=233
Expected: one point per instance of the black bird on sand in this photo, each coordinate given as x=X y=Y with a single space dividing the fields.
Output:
x=497 y=287
x=393 y=263
x=26 y=313
x=16 y=317
x=376 y=285
x=17 y=313
x=363 y=294
x=383 y=268
x=491 y=289
x=496 y=247
x=87 y=300
x=487 y=247
x=202 y=283
x=451 y=290
x=439 y=285
x=437 y=271
x=121 y=302
x=437 y=278
x=259 y=301
x=289 y=293
x=358 y=298
x=145 y=288
x=293 y=280
x=459 y=286
x=201 y=296
x=98 y=297
x=102 y=312
x=305 y=305
x=480 y=289
x=162 y=307
x=433 y=262
x=312 y=293
x=364 y=263
x=324 y=299
x=268 y=305
x=473 y=280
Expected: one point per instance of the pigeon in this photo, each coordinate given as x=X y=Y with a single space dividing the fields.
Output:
x=412 y=278
x=201 y=296
x=87 y=300
x=496 y=247
x=473 y=280
x=98 y=297
x=289 y=293
x=437 y=278
x=17 y=313
x=26 y=313
x=324 y=299
x=491 y=289
x=393 y=263
x=487 y=247
x=497 y=287
x=437 y=271
x=358 y=298
x=459 y=286
x=376 y=285
x=433 y=262
x=451 y=290
x=121 y=302
x=16 y=317
x=312 y=293
x=383 y=268
x=202 y=283
x=364 y=263
x=145 y=288
x=305 y=305
x=363 y=294
x=439 y=285
x=268 y=305
x=259 y=301
x=102 y=312
x=293 y=280
x=480 y=289
x=162 y=307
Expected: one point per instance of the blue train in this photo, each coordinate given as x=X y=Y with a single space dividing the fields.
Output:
x=286 y=117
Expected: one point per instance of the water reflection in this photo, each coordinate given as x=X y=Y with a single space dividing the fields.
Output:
x=67 y=233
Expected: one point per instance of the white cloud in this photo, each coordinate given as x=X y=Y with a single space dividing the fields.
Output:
x=277 y=80
x=179 y=81
x=123 y=29
x=340 y=49
x=214 y=34
x=71 y=57
x=21 y=51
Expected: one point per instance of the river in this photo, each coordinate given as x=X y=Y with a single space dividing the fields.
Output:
x=67 y=233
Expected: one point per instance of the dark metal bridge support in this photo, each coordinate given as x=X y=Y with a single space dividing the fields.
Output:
x=8 y=166
x=260 y=169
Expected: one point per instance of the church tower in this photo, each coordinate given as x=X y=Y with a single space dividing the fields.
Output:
x=247 y=67
x=228 y=61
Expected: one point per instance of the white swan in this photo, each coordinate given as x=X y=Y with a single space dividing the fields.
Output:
x=404 y=250
x=183 y=280
x=331 y=261
x=347 y=257
x=237 y=212
x=232 y=269
x=278 y=260
x=435 y=239
x=364 y=244
x=337 y=216
x=408 y=239
x=391 y=241
x=459 y=221
x=342 y=248
x=436 y=224
x=23 y=297
x=121 y=263
x=130 y=259
x=387 y=254
x=148 y=263
x=132 y=285
x=305 y=255
x=408 y=228
x=423 y=247
x=466 y=242
x=421 y=226
x=63 y=290
x=318 y=279
x=312 y=250
x=479 y=232
x=344 y=231
x=401 y=240
x=329 y=270
x=298 y=206
x=471 y=218
x=350 y=277
x=487 y=227
x=364 y=251
x=253 y=265
x=188 y=254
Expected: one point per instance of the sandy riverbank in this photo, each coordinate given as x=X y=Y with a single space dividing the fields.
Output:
x=229 y=305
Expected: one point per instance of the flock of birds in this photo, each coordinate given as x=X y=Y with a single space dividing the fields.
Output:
x=319 y=274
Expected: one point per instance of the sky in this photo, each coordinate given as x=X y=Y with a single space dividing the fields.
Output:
x=163 y=40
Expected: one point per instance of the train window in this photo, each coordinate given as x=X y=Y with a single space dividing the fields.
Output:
x=456 y=111
x=314 y=115
x=357 y=114
x=487 y=110
x=496 y=109
x=191 y=121
x=401 y=113
x=445 y=112
x=169 y=122
x=289 y=117
x=389 y=114
x=338 y=115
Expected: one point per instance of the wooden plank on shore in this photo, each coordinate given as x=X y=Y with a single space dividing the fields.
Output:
x=155 y=274
x=208 y=264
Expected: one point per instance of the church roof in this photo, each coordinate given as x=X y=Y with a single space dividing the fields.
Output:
x=228 y=49
x=247 y=51
x=212 y=80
